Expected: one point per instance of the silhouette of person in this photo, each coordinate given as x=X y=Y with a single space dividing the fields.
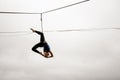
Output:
x=47 y=53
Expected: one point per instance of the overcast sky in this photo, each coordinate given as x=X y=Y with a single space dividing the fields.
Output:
x=78 y=55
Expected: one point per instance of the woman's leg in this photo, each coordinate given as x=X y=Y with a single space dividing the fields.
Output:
x=35 y=48
x=42 y=37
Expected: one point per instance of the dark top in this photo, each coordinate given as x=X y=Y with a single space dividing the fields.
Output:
x=46 y=47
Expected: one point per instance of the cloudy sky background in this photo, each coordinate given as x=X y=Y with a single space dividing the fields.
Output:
x=78 y=55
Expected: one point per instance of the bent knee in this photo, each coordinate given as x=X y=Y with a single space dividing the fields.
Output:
x=33 y=49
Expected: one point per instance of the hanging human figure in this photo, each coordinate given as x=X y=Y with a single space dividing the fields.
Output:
x=47 y=53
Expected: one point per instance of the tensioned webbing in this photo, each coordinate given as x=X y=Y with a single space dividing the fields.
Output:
x=5 y=12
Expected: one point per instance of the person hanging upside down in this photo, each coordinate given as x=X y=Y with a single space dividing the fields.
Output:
x=47 y=53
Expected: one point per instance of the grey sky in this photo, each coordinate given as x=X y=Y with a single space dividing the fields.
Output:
x=82 y=55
